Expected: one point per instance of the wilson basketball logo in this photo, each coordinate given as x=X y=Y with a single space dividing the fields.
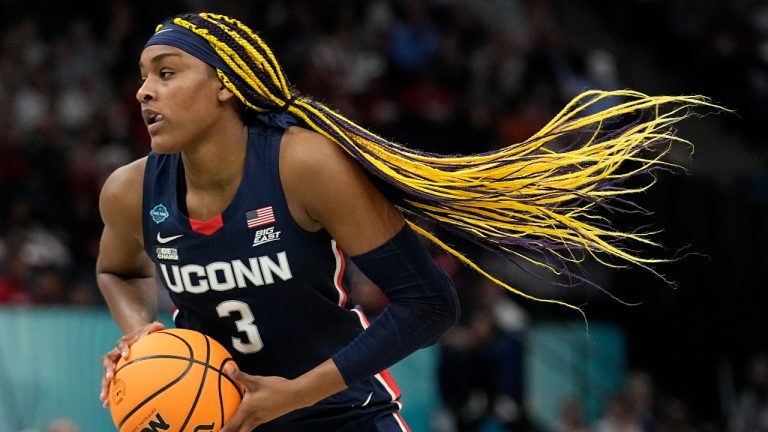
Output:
x=156 y=424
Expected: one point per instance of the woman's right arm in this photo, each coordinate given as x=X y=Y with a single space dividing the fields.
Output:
x=124 y=272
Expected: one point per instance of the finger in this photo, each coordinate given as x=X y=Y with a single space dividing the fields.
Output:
x=233 y=372
x=246 y=382
x=122 y=349
x=108 y=367
x=103 y=393
x=108 y=364
x=104 y=396
x=236 y=423
x=155 y=326
x=124 y=343
x=106 y=378
x=110 y=358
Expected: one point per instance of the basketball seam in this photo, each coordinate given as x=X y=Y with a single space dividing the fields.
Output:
x=202 y=383
x=221 y=400
x=221 y=395
x=164 y=388
x=177 y=357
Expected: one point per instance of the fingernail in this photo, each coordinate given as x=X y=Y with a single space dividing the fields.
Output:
x=229 y=369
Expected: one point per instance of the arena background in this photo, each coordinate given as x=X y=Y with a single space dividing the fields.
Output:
x=448 y=76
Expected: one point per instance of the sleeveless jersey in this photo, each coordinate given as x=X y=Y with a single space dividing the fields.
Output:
x=262 y=286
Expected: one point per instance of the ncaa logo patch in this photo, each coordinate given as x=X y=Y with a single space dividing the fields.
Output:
x=159 y=213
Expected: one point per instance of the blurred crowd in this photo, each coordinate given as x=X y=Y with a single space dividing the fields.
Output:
x=449 y=76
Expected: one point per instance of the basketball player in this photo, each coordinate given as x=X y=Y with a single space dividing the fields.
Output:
x=248 y=226
x=253 y=198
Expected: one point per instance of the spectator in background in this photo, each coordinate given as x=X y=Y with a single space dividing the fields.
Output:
x=62 y=425
x=13 y=279
x=595 y=70
x=618 y=416
x=480 y=369
x=571 y=416
x=50 y=287
x=750 y=411
x=640 y=392
x=674 y=416
x=415 y=39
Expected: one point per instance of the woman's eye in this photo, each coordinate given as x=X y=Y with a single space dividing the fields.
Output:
x=165 y=74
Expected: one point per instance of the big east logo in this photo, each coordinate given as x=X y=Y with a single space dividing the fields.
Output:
x=265 y=235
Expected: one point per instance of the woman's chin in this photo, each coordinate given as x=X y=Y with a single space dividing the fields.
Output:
x=160 y=145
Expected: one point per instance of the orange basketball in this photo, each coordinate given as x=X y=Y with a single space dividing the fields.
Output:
x=173 y=380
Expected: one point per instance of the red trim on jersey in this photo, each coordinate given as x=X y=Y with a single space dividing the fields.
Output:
x=386 y=378
x=401 y=421
x=361 y=315
x=208 y=227
x=342 y=265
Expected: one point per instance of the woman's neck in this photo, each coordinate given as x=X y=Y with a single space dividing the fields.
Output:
x=213 y=171
x=218 y=162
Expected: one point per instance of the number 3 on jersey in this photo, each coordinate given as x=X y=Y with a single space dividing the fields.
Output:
x=252 y=342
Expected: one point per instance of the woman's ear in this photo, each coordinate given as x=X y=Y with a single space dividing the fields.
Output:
x=224 y=93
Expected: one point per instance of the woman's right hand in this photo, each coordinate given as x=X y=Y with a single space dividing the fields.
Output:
x=121 y=350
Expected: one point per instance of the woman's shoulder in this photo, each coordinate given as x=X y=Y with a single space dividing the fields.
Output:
x=123 y=189
x=309 y=156
x=126 y=176
x=304 y=145
x=315 y=172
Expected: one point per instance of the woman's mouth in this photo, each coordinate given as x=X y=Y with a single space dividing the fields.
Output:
x=154 y=118
x=153 y=121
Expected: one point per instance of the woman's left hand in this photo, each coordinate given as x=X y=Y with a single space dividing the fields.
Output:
x=266 y=398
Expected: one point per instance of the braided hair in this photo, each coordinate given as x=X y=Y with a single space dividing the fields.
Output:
x=539 y=200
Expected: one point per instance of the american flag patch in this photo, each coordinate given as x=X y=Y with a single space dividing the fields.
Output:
x=259 y=217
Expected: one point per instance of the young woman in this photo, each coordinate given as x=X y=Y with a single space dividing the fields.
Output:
x=248 y=226
x=253 y=198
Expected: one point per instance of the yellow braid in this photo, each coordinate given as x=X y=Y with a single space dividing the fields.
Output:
x=518 y=192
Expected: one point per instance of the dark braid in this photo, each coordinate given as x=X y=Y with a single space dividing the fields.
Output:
x=535 y=200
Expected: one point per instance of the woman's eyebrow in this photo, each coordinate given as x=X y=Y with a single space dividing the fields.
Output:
x=159 y=57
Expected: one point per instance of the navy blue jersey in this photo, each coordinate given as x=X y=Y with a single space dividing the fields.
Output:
x=251 y=278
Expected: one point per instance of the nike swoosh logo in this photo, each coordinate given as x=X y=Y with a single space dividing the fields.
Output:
x=167 y=239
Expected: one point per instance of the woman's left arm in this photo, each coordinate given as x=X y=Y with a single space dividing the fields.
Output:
x=327 y=189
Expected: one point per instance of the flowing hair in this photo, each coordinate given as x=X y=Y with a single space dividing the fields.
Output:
x=542 y=200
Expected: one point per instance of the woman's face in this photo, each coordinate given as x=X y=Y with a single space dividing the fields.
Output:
x=180 y=98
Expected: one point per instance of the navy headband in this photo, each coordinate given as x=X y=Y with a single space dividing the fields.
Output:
x=187 y=41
